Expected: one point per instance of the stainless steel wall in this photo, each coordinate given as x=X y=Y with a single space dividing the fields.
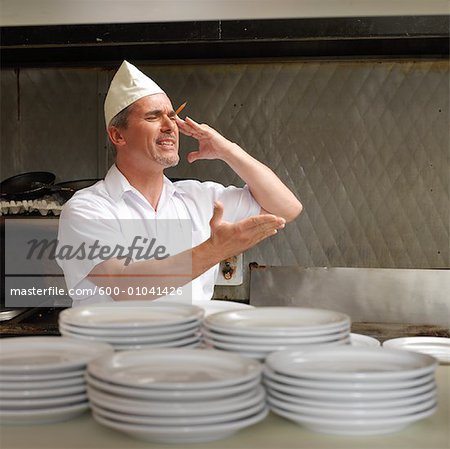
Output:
x=364 y=144
x=382 y=295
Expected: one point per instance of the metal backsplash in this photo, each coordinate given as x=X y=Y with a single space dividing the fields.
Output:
x=380 y=295
x=364 y=144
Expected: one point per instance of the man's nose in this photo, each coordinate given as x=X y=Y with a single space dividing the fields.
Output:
x=167 y=123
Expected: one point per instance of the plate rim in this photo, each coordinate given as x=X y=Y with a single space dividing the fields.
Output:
x=73 y=315
x=53 y=344
x=102 y=367
x=429 y=363
x=211 y=321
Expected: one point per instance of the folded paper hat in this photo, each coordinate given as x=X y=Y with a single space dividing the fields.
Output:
x=128 y=85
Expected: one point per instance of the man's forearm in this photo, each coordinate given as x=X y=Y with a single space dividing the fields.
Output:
x=154 y=275
x=226 y=240
x=264 y=184
x=273 y=196
x=180 y=268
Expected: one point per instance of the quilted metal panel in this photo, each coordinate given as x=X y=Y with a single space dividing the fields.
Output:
x=9 y=124
x=56 y=122
x=364 y=144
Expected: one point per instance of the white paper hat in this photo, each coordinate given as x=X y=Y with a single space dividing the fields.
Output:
x=128 y=85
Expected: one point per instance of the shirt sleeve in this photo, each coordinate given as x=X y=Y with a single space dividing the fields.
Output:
x=238 y=202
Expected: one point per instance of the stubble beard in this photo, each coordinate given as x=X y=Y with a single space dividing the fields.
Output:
x=168 y=161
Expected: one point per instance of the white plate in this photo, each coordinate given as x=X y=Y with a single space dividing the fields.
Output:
x=42 y=402
x=141 y=339
x=271 y=341
x=42 y=393
x=187 y=420
x=46 y=377
x=47 y=354
x=371 y=426
x=43 y=416
x=178 y=343
x=194 y=337
x=259 y=356
x=355 y=404
x=192 y=408
x=342 y=385
x=195 y=343
x=173 y=394
x=112 y=316
x=352 y=414
x=183 y=434
x=40 y=384
x=363 y=340
x=215 y=306
x=264 y=350
x=438 y=347
x=175 y=369
x=348 y=396
x=131 y=332
x=262 y=355
x=236 y=333
x=351 y=363
x=288 y=321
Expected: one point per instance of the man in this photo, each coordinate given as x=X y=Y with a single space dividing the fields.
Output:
x=144 y=129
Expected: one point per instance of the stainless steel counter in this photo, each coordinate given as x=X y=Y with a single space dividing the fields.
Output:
x=272 y=433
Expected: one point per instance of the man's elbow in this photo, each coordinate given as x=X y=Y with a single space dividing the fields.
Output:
x=293 y=212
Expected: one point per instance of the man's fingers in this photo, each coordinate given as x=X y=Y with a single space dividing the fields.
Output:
x=191 y=128
x=262 y=236
x=196 y=127
x=193 y=156
x=264 y=221
x=187 y=131
x=258 y=234
x=263 y=232
x=193 y=123
x=258 y=228
x=184 y=127
x=233 y=238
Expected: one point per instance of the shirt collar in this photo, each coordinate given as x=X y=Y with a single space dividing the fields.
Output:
x=117 y=184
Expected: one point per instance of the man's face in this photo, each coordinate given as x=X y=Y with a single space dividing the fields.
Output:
x=152 y=133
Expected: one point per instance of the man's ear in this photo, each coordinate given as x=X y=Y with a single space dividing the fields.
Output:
x=116 y=136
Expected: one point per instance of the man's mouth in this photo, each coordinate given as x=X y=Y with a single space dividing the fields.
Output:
x=167 y=142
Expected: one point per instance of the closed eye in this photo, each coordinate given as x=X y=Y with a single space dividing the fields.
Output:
x=156 y=115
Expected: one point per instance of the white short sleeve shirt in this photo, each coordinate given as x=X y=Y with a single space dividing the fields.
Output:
x=104 y=206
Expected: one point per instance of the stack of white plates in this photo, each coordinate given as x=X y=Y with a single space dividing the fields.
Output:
x=135 y=327
x=351 y=390
x=438 y=347
x=176 y=395
x=258 y=332
x=42 y=378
